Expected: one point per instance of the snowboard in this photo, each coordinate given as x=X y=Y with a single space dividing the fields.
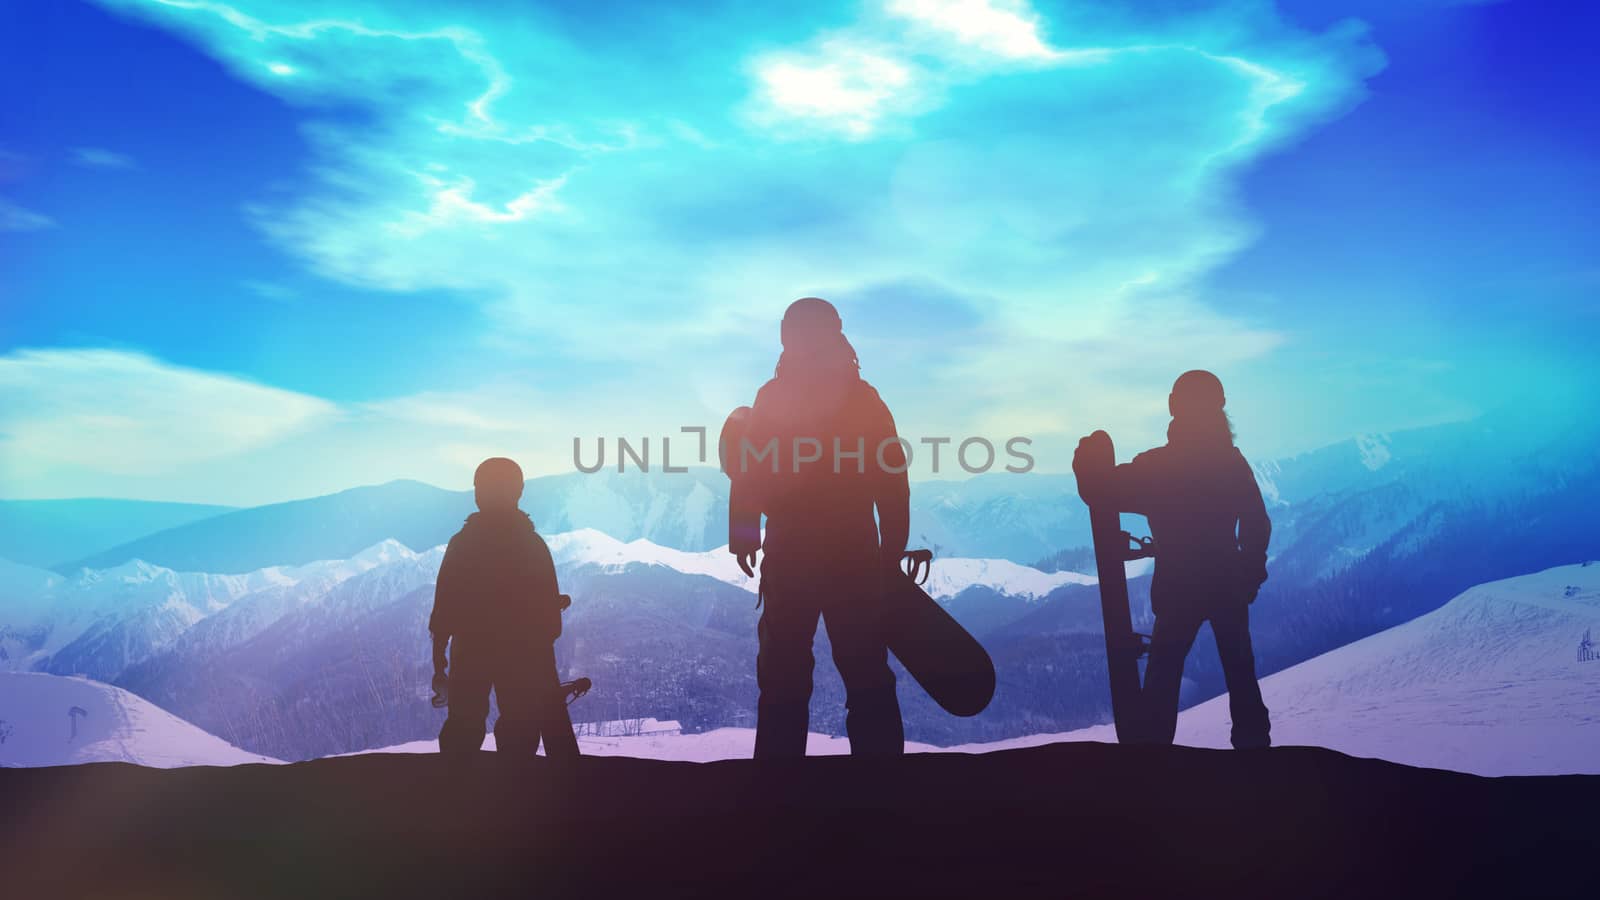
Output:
x=940 y=655
x=570 y=691
x=943 y=657
x=1112 y=547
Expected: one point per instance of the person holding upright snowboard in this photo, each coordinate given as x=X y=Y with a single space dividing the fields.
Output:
x=497 y=609
x=818 y=455
x=1210 y=530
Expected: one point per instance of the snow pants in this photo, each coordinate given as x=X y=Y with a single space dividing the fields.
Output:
x=527 y=688
x=852 y=613
x=1174 y=634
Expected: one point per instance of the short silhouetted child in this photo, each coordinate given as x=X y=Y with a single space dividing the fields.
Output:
x=1211 y=529
x=497 y=609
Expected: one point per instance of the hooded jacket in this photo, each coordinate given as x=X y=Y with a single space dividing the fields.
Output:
x=819 y=503
x=1207 y=519
x=497 y=584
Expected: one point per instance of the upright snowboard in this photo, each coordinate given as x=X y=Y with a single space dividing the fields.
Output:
x=946 y=660
x=1095 y=459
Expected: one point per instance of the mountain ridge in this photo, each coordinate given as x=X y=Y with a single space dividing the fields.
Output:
x=50 y=533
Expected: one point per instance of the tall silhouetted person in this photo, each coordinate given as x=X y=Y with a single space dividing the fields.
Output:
x=826 y=554
x=1210 y=529
x=498 y=609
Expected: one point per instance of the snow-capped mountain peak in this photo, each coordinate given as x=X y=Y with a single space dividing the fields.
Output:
x=947 y=577
x=586 y=546
x=385 y=551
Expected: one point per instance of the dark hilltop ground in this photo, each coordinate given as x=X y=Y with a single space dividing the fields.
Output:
x=1067 y=820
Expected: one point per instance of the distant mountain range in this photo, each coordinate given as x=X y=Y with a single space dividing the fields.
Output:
x=50 y=533
x=336 y=526
x=1495 y=682
x=330 y=656
x=1016 y=517
x=313 y=652
x=1329 y=507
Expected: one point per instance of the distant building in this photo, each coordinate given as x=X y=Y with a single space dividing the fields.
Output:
x=1586 y=647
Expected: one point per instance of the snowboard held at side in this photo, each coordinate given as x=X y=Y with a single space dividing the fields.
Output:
x=939 y=654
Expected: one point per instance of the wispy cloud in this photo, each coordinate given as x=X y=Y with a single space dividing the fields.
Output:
x=270 y=290
x=16 y=218
x=110 y=422
x=101 y=158
x=126 y=413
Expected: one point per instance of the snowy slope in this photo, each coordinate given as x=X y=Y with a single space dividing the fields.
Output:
x=36 y=727
x=1490 y=683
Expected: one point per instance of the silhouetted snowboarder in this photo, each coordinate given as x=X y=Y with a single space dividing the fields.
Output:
x=498 y=608
x=836 y=460
x=1210 y=530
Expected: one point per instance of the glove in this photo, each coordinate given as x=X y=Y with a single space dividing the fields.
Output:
x=441 y=690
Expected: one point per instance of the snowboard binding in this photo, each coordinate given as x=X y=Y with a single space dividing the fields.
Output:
x=918 y=561
x=1139 y=548
x=572 y=690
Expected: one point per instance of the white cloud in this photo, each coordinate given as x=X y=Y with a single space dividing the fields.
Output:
x=1009 y=30
x=452 y=204
x=16 y=218
x=127 y=413
x=101 y=158
x=838 y=85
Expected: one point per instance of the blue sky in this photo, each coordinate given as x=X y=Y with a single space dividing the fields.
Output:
x=261 y=250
